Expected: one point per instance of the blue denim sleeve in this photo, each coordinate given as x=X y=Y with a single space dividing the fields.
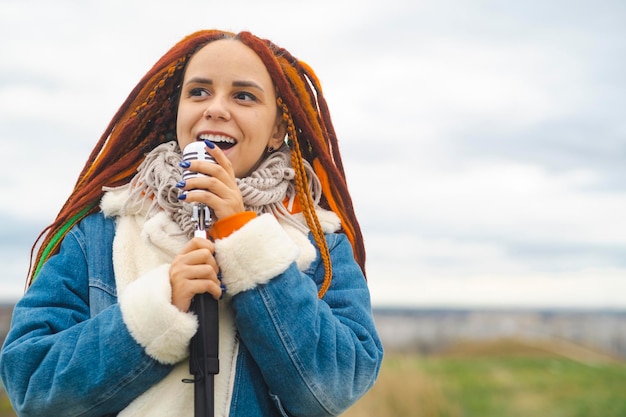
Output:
x=57 y=360
x=317 y=356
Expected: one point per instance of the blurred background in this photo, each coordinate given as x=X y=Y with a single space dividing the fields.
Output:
x=484 y=144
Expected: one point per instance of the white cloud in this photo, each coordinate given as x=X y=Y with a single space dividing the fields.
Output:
x=593 y=288
x=410 y=270
x=492 y=198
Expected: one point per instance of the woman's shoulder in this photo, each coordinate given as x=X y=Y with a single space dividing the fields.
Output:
x=96 y=224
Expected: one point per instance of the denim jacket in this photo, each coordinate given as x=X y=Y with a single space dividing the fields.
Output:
x=72 y=349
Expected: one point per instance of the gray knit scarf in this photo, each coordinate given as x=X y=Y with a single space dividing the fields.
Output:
x=264 y=191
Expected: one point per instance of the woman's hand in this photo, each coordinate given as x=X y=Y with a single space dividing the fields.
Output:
x=194 y=271
x=217 y=188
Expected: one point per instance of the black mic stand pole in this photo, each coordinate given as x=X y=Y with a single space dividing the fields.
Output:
x=203 y=350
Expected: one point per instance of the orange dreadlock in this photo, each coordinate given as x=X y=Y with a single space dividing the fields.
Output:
x=148 y=117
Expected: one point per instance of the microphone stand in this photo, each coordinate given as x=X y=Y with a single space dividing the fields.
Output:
x=203 y=350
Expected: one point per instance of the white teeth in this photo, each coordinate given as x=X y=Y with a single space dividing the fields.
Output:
x=216 y=138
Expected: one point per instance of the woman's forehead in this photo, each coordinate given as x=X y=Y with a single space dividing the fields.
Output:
x=227 y=57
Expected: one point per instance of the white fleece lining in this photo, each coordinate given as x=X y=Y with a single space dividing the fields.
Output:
x=164 y=235
x=169 y=397
x=307 y=250
x=157 y=325
x=254 y=254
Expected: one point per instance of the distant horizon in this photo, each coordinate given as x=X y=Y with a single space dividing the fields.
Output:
x=486 y=308
x=378 y=309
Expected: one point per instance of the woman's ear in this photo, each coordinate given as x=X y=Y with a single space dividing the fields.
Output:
x=278 y=136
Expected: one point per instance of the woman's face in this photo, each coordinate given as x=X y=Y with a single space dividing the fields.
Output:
x=228 y=97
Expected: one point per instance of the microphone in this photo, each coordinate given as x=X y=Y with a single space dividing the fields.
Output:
x=196 y=151
x=203 y=349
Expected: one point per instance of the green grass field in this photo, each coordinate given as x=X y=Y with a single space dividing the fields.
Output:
x=498 y=379
x=495 y=379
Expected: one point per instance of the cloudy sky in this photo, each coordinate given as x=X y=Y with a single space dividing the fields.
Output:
x=484 y=141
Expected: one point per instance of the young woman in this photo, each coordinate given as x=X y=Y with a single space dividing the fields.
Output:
x=105 y=325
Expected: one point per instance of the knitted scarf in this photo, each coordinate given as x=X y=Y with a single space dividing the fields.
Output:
x=154 y=187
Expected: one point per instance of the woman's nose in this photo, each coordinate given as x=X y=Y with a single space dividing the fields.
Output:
x=217 y=109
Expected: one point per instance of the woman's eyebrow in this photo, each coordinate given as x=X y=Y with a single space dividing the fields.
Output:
x=199 y=80
x=247 y=84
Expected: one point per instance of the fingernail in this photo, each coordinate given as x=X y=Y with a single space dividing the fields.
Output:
x=185 y=164
x=181 y=184
x=182 y=196
x=209 y=144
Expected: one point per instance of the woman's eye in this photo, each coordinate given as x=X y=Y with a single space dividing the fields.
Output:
x=245 y=96
x=197 y=92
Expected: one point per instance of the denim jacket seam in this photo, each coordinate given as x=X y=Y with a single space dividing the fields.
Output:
x=285 y=338
x=146 y=364
x=78 y=237
x=102 y=285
